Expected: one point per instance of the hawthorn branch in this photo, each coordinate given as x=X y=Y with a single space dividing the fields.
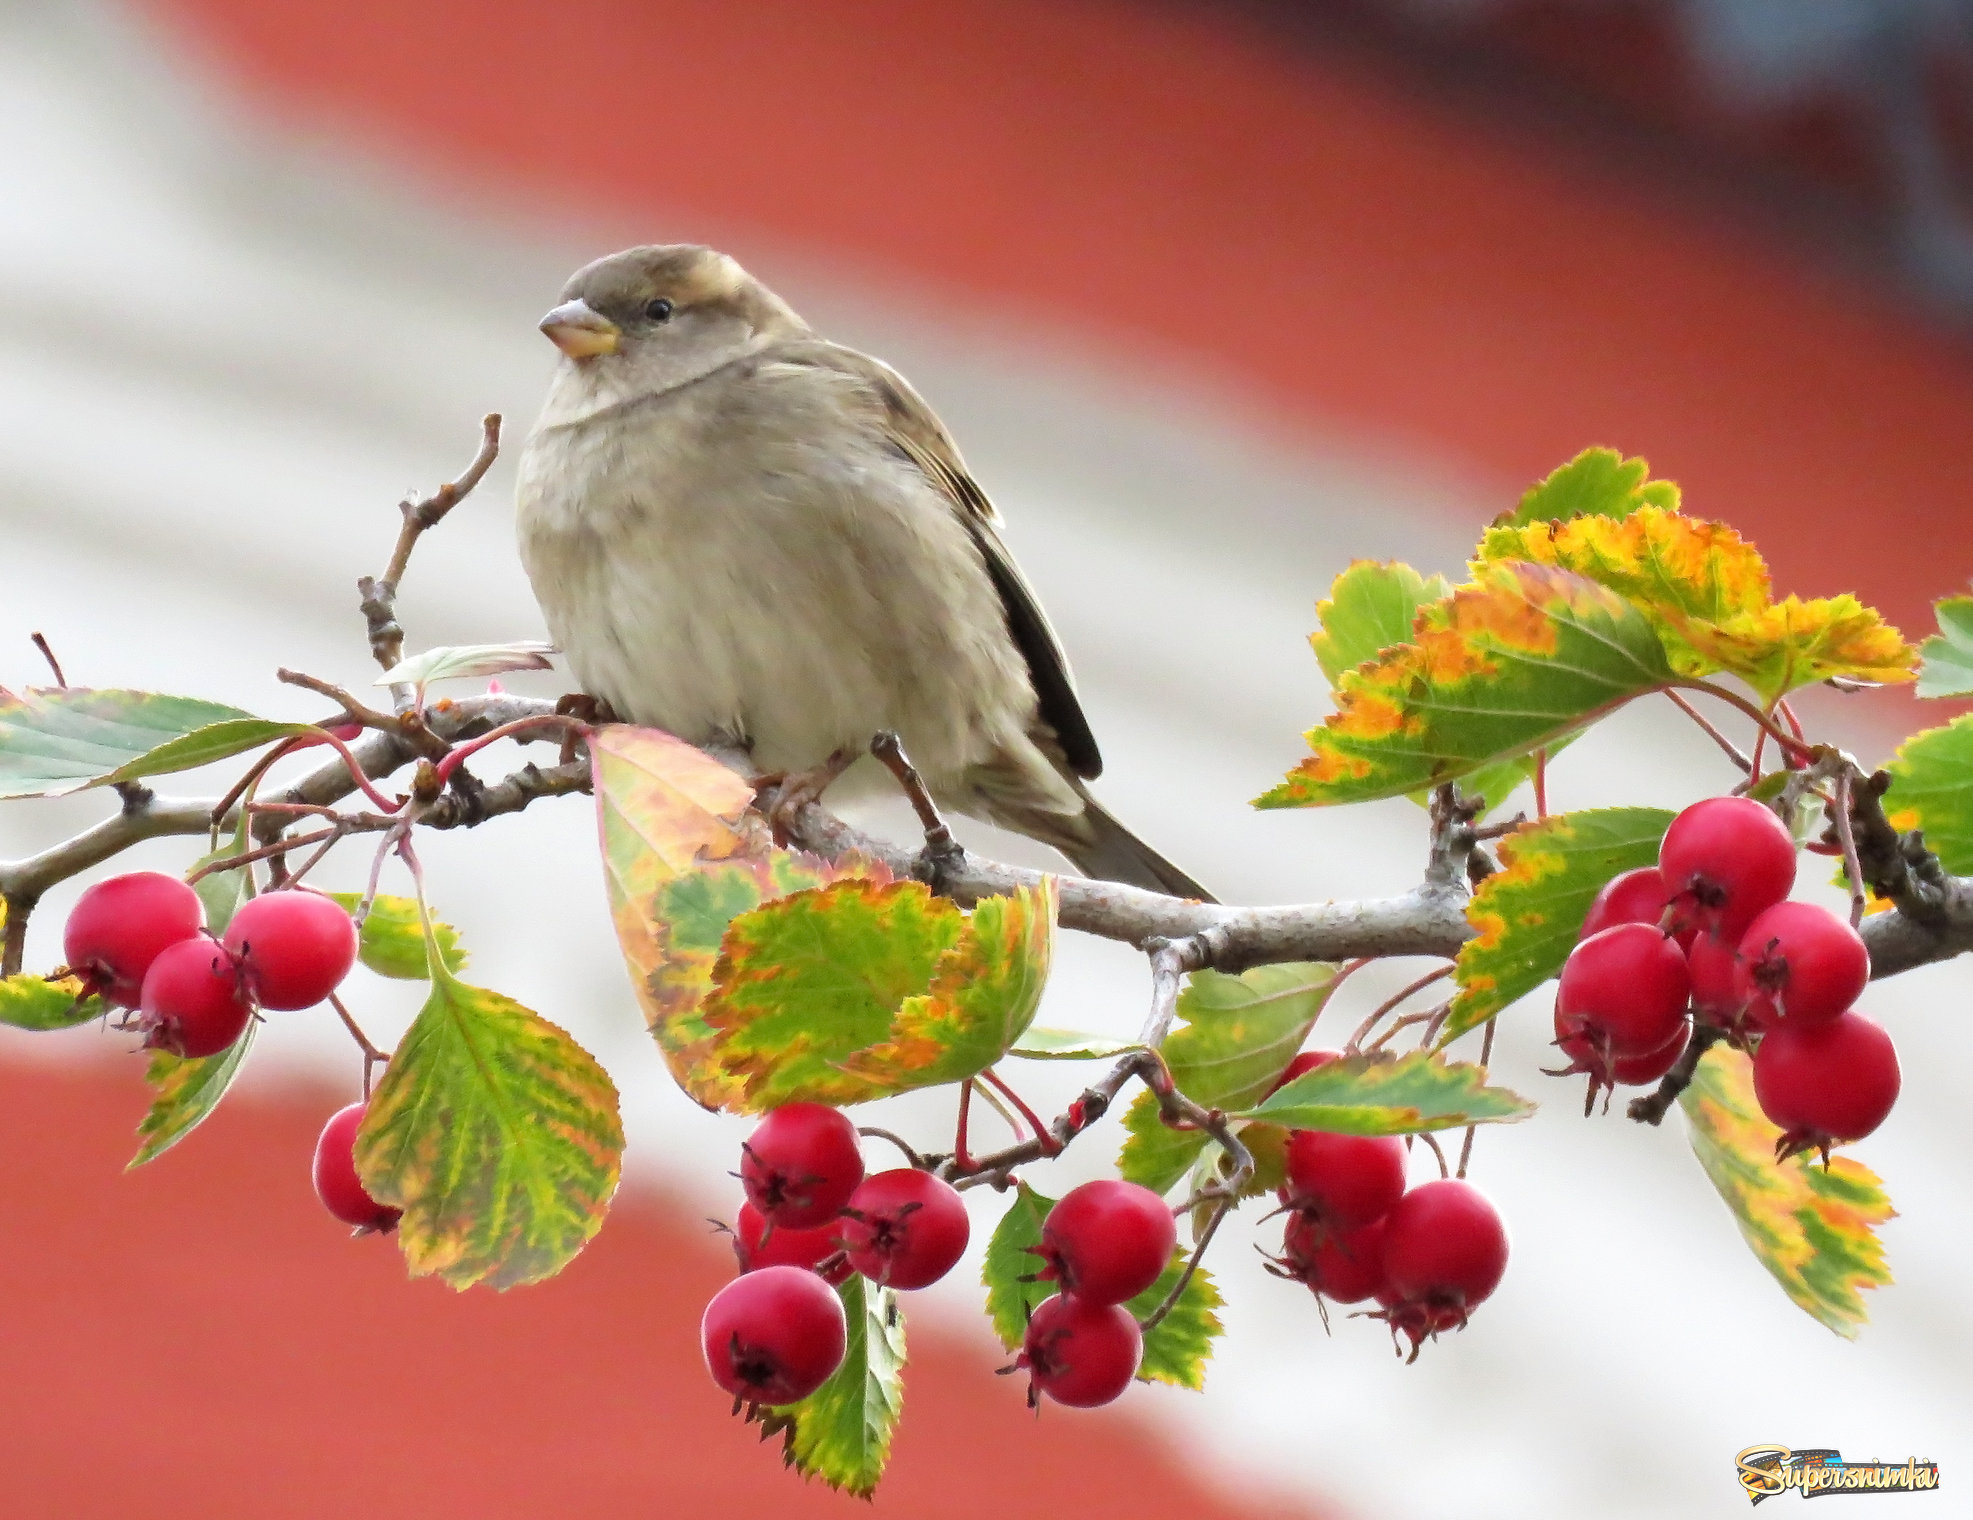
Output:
x=379 y=593
x=1654 y=1105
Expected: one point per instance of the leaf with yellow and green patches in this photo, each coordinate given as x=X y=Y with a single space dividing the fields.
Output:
x=1812 y=1228
x=1515 y=659
x=391 y=941
x=1234 y=1035
x=184 y=1092
x=1947 y=670
x=841 y=1433
x=35 y=1002
x=860 y=988
x=1708 y=591
x=496 y=1134
x=1596 y=483
x=1932 y=789
x=1370 y=607
x=1175 y=1350
x=1391 y=1095
x=1526 y=915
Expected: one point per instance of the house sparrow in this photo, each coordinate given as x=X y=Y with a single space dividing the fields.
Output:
x=753 y=538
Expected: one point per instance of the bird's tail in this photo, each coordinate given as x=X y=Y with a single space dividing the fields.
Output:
x=1105 y=849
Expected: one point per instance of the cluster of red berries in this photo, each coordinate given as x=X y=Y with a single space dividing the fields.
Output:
x=139 y=941
x=776 y=1333
x=1709 y=933
x=1428 y=1255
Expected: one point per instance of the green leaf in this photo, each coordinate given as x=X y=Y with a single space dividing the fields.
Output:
x=1044 y=1044
x=1947 y=670
x=1177 y=1348
x=34 y=1002
x=496 y=1134
x=1391 y=1095
x=858 y=989
x=454 y=662
x=1526 y=915
x=1813 y=1229
x=1370 y=607
x=1596 y=483
x=1515 y=659
x=1233 y=1037
x=1932 y=789
x=1009 y=1260
x=184 y=1092
x=841 y=1433
x=55 y=741
x=392 y=943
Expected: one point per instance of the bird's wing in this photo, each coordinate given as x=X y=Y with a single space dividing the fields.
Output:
x=914 y=430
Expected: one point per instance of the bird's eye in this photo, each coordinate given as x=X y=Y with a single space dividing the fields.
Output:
x=658 y=310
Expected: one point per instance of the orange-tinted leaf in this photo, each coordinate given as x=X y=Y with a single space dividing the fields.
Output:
x=1521 y=655
x=1812 y=1228
x=1370 y=607
x=1796 y=643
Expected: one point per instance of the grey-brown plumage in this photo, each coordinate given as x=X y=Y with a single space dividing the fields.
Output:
x=748 y=536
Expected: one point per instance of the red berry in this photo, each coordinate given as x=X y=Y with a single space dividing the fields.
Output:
x=118 y=927
x=1106 y=1241
x=1607 y=1072
x=757 y=1244
x=1637 y=1071
x=1624 y=990
x=1345 y=1266
x=193 y=1003
x=1825 y=1083
x=296 y=946
x=1727 y=859
x=904 y=1228
x=1344 y=1181
x=773 y=1336
x=1634 y=897
x=1079 y=1353
x=342 y=1192
x=1445 y=1251
x=1301 y=1066
x=801 y=1164
x=1801 y=963
x=1710 y=964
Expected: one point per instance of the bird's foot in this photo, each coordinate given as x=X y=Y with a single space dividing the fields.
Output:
x=787 y=793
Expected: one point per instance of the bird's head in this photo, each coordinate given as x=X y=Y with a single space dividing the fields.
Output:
x=655 y=317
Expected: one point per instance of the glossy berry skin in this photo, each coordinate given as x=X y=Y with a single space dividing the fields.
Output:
x=1079 y=1353
x=1624 y=989
x=904 y=1228
x=118 y=927
x=1106 y=1241
x=1634 y=897
x=1301 y=1066
x=1445 y=1251
x=296 y=946
x=1345 y=1266
x=1711 y=963
x=1607 y=1072
x=194 y=1004
x=1726 y=860
x=1344 y=1181
x=1826 y=1083
x=336 y=1183
x=774 y=1335
x=801 y=1164
x=1799 y=962
x=758 y=1244
x=1637 y=1071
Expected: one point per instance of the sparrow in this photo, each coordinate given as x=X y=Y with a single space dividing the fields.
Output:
x=759 y=540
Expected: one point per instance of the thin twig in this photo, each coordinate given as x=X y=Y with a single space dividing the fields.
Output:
x=872 y=1132
x=1846 y=833
x=1432 y=1141
x=993 y=1080
x=1355 y=1041
x=1486 y=1056
x=379 y=593
x=48 y=654
x=992 y=1100
x=1733 y=750
x=371 y=1055
x=265 y=852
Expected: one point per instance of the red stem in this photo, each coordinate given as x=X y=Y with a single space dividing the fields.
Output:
x=459 y=754
x=1041 y=1134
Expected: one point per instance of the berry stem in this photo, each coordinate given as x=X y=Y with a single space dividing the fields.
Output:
x=1653 y=1106
x=40 y=642
x=1795 y=751
x=1732 y=750
x=1486 y=1055
x=460 y=753
x=1355 y=1041
x=1051 y=1147
x=872 y=1132
x=962 y=1158
x=372 y=1057
x=1432 y=1142
x=268 y=852
x=1541 y=782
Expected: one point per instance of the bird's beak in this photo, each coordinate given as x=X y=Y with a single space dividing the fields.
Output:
x=579 y=331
